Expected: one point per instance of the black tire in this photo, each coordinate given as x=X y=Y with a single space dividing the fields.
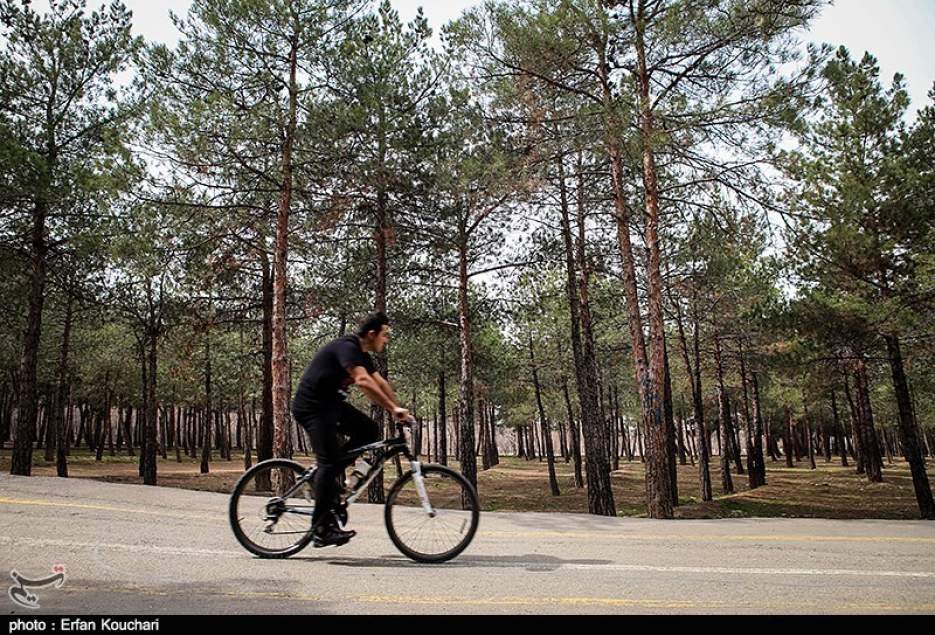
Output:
x=241 y=495
x=455 y=499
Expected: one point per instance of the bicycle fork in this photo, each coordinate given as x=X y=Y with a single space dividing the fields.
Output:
x=420 y=487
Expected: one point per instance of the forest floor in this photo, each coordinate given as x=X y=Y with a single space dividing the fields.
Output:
x=517 y=485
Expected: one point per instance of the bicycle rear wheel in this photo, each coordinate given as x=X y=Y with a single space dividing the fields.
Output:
x=435 y=535
x=270 y=515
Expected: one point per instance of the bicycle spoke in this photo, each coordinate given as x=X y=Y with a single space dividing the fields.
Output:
x=441 y=534
x=271 y=524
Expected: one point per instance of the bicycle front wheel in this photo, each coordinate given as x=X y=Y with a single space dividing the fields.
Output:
x=443 y=529
x=271 y=509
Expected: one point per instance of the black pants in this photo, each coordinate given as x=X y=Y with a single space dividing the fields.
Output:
x=324 y=422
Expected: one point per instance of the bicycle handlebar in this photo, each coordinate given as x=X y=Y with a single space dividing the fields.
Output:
x=408 y=423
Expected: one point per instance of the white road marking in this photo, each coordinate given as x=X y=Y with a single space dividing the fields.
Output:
x=552 y=566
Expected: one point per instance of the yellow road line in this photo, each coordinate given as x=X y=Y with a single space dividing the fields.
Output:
x=106 y=508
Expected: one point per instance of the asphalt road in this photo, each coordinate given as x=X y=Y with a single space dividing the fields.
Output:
x=131 y=549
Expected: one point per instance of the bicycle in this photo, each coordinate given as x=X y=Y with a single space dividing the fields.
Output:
x=429 y=502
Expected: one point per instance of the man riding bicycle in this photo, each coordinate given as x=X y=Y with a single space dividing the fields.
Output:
x=321 y=408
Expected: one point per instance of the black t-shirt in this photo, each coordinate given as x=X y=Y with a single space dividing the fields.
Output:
x=329 y=372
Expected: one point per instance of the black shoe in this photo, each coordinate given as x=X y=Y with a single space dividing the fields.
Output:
x=330 y=535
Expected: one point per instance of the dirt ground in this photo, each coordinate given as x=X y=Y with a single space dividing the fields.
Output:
x=830 y=491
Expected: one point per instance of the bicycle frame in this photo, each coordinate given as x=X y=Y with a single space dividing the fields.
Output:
x=393 y=448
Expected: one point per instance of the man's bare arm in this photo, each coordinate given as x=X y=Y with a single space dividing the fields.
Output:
x=372 y=389
x=385 y=385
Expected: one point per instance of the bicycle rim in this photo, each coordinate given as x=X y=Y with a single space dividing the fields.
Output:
x=448 y=530
x=265 y=523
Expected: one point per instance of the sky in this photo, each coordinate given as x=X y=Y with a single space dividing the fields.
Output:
x=900 y=33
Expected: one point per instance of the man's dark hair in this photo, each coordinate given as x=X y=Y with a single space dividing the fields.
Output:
x=373 y=322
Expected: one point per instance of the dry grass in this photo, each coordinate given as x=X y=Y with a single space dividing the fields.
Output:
x=522 y=486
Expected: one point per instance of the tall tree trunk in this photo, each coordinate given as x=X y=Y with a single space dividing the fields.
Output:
x=110 y=438
x=466 y=403
x=808 y=437
x=683 y=459
x=48 y=426
x=26 y=419
x=838 y=430
x=536 y=442
x=104 y=419
x=769 y=444
x=615 y=428
x=281 y=415
x=163 y=431
x=128 y=427
x=639 y=441
x=694 y=374
x=456 y=416
x=562 y=443
x=627 y=443
x=442 y=436
x=717 y=435
x=179 y=440
x=381 y=235
x=907 y=428
x=482 y=435
x=121 y=430
x=856 y=434
x=799 y=443
x=724 y=416
x=239 y=429
x=658 y=489
x=143 y=412
x=433 y=438
x=84 y=425
x=95 y=425
x=546 y=435
x=920 y=431
x=206 y=448
x=670 y=440
x=70 y=419
x=492 y=435
x=169 y=410
x=826 y=440
x=600 y=494
x=869 y=446
x=690 y=442
x=754 y=458
x=248 y=443
x=760 y=461
x=61 y=443
x=228 y=435
x=4 y=422
x=575 y=436
x=735 y=441
x=887 y=445
x=264 y=433
x=149 y=464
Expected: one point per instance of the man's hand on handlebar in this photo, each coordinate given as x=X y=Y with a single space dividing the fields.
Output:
x=401 y=414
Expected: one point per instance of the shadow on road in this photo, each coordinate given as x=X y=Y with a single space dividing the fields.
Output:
x=529 y=562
